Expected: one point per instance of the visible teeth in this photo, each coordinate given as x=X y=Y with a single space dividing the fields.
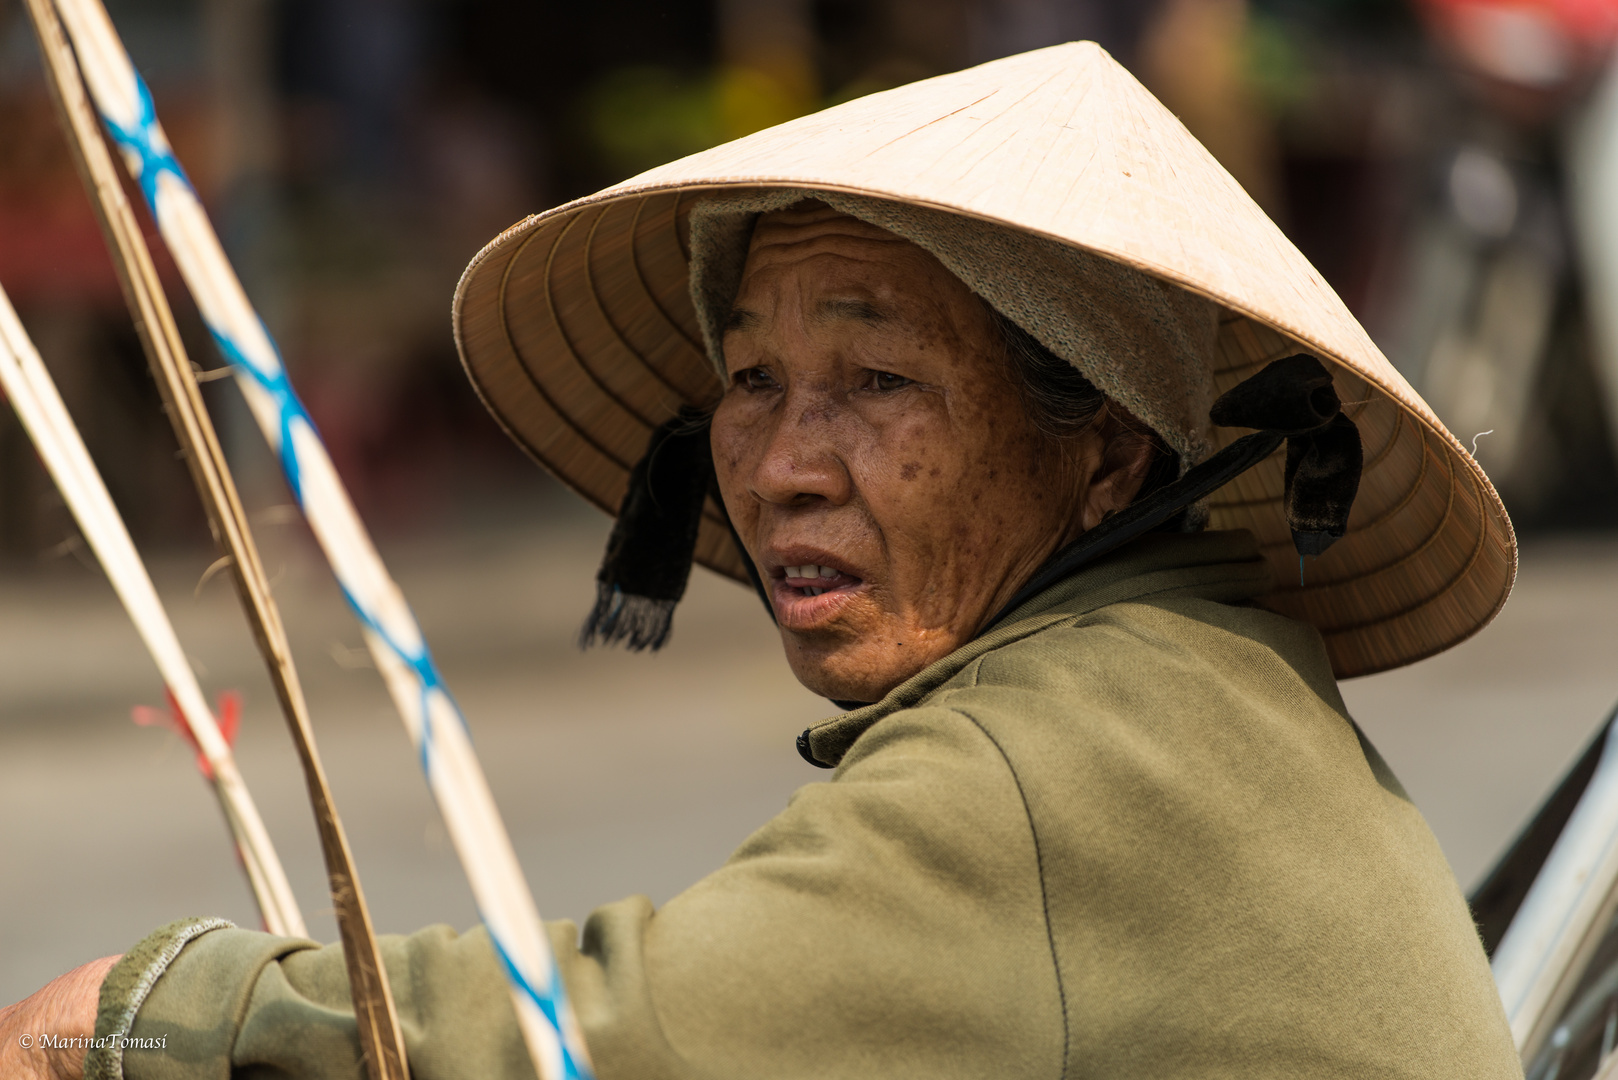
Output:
x=810 y=570
x=813 y=591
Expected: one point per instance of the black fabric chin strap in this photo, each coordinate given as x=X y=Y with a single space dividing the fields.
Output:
x=1290 y=401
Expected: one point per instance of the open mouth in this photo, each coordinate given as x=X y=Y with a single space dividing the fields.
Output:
x=813 y=579
x=806 y=595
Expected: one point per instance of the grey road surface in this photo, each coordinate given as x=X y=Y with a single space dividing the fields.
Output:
x=617 y=774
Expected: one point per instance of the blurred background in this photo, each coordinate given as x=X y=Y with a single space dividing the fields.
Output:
x=1450 y=166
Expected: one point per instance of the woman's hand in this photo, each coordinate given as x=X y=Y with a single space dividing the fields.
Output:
x=64 y=1009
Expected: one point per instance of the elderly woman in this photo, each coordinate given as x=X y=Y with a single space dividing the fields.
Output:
x=1097 y=806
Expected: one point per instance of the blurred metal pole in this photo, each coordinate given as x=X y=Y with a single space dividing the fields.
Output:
x=1593 y=187
x=1566 y=913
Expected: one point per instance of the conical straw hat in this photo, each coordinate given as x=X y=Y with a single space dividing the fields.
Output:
x=578 y=329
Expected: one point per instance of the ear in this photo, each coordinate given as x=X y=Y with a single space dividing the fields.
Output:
x=1117 y=478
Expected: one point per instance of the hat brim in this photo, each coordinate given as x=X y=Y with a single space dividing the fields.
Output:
x=578 y=330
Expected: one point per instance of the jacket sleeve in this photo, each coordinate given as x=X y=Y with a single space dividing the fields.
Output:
x=888 y=923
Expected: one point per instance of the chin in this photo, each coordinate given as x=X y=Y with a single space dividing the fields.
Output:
x=839 y=674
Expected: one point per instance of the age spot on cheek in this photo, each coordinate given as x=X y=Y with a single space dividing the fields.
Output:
x=911 y=470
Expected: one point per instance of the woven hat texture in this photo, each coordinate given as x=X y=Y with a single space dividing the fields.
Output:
x=577 y=326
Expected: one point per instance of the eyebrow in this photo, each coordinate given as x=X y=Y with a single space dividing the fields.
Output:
x=740 y=319
x=832 y=310
x=849 y=308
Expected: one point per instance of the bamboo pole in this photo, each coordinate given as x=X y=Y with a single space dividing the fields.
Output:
x=32 y=393
x=380 y=1037
x=431 y=717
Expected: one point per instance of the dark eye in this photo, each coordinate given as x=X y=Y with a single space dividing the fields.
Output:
x=756 y=378
x=887 y=380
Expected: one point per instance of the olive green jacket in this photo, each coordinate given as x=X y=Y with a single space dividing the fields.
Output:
x=1131 y=832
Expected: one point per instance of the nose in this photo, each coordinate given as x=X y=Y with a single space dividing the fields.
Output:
x=802 y=460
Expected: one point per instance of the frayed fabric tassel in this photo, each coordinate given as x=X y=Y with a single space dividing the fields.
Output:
x=648 y=558
x=635 y=622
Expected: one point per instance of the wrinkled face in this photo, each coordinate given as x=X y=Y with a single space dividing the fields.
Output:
x=875 y=456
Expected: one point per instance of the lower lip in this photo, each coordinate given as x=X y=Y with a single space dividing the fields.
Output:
x=797 y=610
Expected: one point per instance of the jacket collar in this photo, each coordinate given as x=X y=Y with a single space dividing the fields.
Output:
x=1223 y=566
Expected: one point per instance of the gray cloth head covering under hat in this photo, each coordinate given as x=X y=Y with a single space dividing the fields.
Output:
x=1143 y=342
